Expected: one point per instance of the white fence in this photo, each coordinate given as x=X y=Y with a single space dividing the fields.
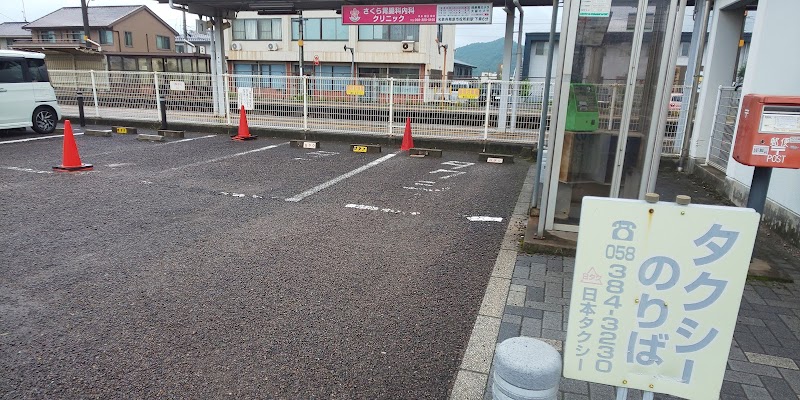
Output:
x=721 y=141
x=374 y=106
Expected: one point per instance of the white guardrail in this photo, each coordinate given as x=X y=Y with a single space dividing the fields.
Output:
x=376 y=106
x=721 y=141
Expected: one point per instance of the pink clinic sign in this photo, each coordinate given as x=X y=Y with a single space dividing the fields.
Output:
x=422 y=14
x=418 y=14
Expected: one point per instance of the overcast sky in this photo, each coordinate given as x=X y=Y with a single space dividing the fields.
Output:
x=11 y=10
x=537 y=19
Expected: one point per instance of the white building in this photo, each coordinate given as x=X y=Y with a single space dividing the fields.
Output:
x=772 y=69
x=535 y=59
x=268 y=45
x=11 y=31
x=193 y=42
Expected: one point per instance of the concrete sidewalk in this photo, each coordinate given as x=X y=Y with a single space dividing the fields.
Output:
x=764 y=356
x=765 y=353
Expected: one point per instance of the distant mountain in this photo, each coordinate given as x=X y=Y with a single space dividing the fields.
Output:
x=487 y=57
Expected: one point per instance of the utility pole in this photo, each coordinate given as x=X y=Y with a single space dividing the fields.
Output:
x=85 y=13
x=185 y=36
x=438 y=40
x=300 y=42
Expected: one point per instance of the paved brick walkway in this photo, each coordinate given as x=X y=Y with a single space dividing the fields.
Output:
x=765 y=353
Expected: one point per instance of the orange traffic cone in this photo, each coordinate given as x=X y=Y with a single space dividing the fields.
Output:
x=408 y=141
x=71 y=161
x=244 y=130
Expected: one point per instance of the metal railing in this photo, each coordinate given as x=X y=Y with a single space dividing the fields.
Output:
x=468 y=110
x=45 y=42
x=672 y=143
x=721 y=141
x=52 y=41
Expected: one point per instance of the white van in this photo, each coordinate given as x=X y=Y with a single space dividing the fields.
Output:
x=26 y=97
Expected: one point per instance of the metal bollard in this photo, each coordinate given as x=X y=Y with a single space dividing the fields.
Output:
x=163 y=103
x=81 y=116
x=526 y=369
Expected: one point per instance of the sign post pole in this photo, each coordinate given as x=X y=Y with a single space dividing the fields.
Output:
x=758 y=189
x=300 y=24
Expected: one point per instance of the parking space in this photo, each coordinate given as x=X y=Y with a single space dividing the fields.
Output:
x=207 y=268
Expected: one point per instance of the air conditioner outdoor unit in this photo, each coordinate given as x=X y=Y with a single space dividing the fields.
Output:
x=408 y=45
x=272 y=47
x=236 y=46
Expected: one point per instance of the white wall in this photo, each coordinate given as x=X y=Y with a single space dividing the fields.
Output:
x=723 y=42
x=4 y=41
x=774 y=68
x=615 y=62
x=537 y=67
x=366 y=52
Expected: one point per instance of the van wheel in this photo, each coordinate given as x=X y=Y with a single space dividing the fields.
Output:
x=44 y=120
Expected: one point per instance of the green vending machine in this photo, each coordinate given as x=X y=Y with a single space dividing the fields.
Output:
x=582 y=113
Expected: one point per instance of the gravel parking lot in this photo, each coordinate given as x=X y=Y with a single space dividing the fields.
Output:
x=180 y=270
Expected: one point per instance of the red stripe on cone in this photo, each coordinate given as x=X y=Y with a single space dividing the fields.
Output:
x=71 y=161
x=408 y=141
x=244 y=129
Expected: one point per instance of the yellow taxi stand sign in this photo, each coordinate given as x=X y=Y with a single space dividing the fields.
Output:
x=468 y=93
x=355 y=90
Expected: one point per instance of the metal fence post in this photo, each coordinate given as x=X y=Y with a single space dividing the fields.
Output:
x=75 y=80
x=515 y=92
x=426 y=90
x=227 y=98
x=158 y=93
x=713 y=128
x=94 y=94
x=162 y=105
x=486 y=115
x=81 y=116
x=391 y=107
x=612 y=106
x=305 y=102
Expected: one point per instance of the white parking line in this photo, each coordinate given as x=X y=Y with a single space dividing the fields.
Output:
x=189 y=139
x=27 y=170
x=37 y=138
x=373 y=208
x=213 y=160
x=485 y=219
x=338 y=179
x=425 y=189
x=240 y=195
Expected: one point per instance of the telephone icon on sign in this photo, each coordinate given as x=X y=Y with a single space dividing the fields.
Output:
x=623 y=230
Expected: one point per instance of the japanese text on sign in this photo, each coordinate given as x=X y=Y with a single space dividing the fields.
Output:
x=418 y=14
x=245 y=95
x=782 y=123
x=468 y=93
x=354 y=90
x=595 y=8
x=655 y=294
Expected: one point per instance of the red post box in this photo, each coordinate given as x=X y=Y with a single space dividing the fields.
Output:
x=769 y=131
